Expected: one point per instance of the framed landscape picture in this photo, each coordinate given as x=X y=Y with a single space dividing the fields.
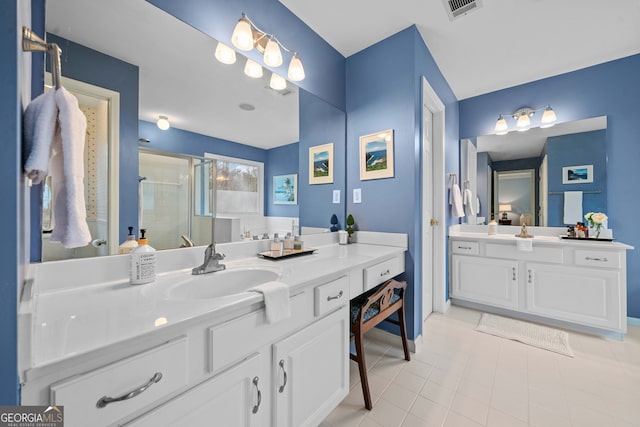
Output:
x=582 y=174
x=285 y=189
x=321 y=164
x=376 y=155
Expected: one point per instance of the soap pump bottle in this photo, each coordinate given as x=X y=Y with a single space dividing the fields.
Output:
x=492 y=229
x=129 y=244
x=143 y=262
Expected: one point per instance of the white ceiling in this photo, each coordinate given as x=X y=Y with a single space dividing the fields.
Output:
x=502 y=44
x=179 y=76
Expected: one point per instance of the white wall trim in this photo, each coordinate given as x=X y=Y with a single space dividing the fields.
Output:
x=392 y=339
x=633 y=321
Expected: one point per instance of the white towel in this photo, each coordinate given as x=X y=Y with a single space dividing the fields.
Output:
x=469 y=209
x=39 y=128
x=67 y=172
x=573 y=207
x=276 y=300
x=455 y=200
x=524 y=244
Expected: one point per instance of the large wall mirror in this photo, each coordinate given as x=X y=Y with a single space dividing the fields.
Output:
x=160 y=66
x=523 y=177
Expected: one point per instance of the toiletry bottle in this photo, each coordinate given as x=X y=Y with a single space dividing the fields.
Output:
x=297 y=243
x=143 y=262
x=492 y=229
x=129 y=244
x=288 y=241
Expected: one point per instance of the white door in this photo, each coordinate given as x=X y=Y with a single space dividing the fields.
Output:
x=427 y=212
x=544 y=192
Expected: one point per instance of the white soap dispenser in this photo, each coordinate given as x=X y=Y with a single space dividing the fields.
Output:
x=492 y=229
x=128 y=245
x=143 y=262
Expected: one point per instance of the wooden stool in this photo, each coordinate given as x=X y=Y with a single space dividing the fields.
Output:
x=369 y=309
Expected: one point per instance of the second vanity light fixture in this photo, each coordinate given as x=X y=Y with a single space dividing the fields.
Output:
x=523 y=119
x=247 y=36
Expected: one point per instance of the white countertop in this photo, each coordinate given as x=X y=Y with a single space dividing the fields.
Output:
x=67 y=322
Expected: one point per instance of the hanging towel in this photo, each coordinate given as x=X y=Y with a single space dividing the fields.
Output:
x=455 y=199
x=39 y=128
x=524 y=245
x=573 y=207
x=67 y=172
x=477 y=206
x=469 y=209
x=276 y=300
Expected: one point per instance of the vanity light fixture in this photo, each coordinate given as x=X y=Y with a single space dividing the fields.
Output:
x=163 y=122
x=523 y=119
x=246 y=36
x=253 y=69
x=277 y=82
x=225 y=54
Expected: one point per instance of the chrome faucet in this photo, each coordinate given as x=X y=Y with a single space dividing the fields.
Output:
x=211 y=261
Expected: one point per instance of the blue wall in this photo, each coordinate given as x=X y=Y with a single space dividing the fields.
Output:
x=281 y=161
x=587 y=148
x=323 y=65
x=609 y=89
x=96 y=68
x=320 y=123
x=384 y=92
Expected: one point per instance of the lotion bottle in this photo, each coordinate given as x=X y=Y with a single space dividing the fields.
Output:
x=492 y=229
x=128 y=245
x=143 y=262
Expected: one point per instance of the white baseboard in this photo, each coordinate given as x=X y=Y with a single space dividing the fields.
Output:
x=393 y=339
x=633 y=321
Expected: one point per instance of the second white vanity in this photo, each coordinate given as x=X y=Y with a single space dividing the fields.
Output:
x=582 y=284
x=150 y=355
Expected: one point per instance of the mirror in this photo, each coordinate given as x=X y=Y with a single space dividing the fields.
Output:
x=161 y=66
x=523 y=176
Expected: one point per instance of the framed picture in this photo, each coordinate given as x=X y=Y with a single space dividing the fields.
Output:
x=285 y=189
x=321 y=164
x=582 y=174
x=376 y=155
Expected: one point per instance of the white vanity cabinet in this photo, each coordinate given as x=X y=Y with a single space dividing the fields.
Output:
x=583 y=283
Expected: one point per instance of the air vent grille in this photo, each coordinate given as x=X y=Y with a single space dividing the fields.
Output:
x=458 y=8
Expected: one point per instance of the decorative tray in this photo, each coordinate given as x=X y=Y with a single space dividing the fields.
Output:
x=285 y=253
x=591 y=239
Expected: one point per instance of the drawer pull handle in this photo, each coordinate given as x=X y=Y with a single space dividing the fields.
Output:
x=513 y=273
x=105 y=400
x=588 y=258
x=257 y=405
x=281 y=388
x=336 y=297
x=385 y=273
x=530 y=278
x=465 y=247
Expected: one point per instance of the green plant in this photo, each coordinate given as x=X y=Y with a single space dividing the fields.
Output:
x=350 y=223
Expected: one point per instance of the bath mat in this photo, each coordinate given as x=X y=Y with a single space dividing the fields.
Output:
x=525 y=332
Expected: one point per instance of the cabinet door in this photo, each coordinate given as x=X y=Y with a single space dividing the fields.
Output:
x=233 y=398
x=588 y=296
x=311 y=371
x=485 y=280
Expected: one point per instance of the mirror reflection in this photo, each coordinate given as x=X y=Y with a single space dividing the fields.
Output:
x=159 y=66
x=523 y=177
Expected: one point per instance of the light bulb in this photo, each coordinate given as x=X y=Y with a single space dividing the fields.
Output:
x=296 y=71
x=548 y=118
x=501 y=126
x=523 y=122
x=253 y=69
x=225 y=54
x=272 y=54
x=277 y=82
x=163 y=123
x=242 y=36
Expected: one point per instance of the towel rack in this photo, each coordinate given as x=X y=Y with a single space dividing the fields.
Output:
x=584 y=192
x=31 y=42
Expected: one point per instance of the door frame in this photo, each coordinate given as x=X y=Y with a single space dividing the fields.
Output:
x=432 y=101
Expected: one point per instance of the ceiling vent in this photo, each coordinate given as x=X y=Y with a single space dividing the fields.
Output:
x=459 y=8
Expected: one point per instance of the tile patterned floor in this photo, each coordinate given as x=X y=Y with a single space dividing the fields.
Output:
x=464 y=378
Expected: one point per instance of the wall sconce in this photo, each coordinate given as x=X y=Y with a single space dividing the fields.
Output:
x=246 y=36
x=523 y=119
x=163 y=122
x=225 y=54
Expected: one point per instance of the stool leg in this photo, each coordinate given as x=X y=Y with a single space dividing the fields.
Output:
x=363 y=370
x=403 y=333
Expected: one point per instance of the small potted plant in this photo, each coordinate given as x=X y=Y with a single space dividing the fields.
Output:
x=349 y=229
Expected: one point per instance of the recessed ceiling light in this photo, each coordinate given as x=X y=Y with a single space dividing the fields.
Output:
x=247 y=107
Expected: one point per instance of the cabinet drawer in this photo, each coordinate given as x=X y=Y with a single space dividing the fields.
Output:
x=382 y=272
x=80 y=395
x=467 y=248
x=598 y=258
x=331 y=295
x=539 y=253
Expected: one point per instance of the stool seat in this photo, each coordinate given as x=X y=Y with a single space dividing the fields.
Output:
x=368 y=310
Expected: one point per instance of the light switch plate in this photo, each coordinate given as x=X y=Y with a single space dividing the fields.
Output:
x=357 y=195
x=336 y=196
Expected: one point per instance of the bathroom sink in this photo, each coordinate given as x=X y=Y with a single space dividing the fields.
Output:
x=219 y=284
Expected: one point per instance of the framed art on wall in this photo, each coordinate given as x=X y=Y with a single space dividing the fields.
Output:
x=285 y=189
x=376 y=155
x=582 y=174
x=321 y=164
